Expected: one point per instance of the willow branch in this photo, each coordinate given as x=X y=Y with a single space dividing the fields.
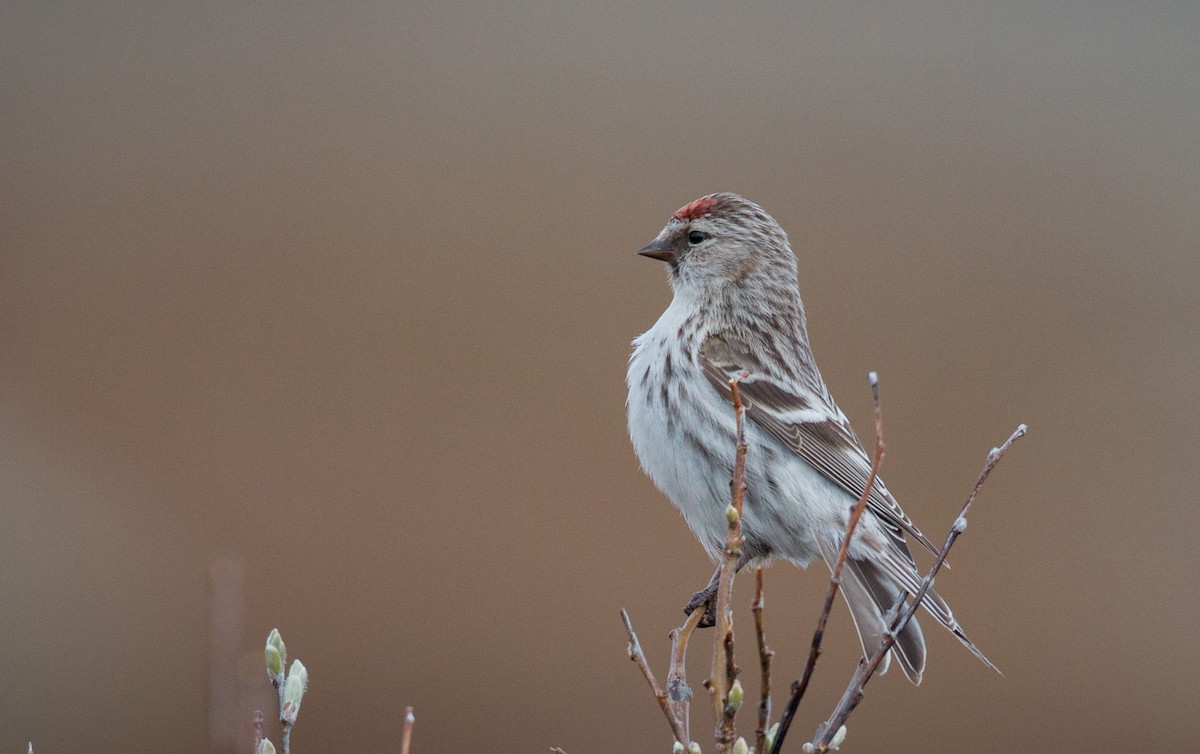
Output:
x=835 y=579
x=679 y=694
x=854 y=692
x=764 y=659
x=258 y=729
x=724 y=671
x=726 y=731
x=636 y=654
x=406 y=735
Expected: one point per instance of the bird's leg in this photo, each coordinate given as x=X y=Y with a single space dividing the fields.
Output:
x=707 y=597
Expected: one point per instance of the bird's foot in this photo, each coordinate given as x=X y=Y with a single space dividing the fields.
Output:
x=706 y=600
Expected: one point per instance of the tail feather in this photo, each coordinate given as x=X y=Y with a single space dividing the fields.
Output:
x=869 y=596
x=910 y=643
x=870 y=590
x=905 y=573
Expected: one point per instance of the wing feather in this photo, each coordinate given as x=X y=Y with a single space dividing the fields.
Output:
x=809 y=424
x=807 y=421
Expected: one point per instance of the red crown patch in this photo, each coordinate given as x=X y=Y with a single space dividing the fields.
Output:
x=693 y=210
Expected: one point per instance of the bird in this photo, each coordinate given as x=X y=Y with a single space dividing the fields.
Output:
x=736 y=311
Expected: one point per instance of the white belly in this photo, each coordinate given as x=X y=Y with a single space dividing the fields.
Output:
x=685 y=442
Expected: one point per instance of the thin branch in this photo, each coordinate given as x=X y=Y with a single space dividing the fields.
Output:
x=726 y=732
x=764 y=658
x=258 y=729
x=285 y=726
x=835 y=579
x=854 y=692
x=724 y=671
x=636 y=654
x=678 y=692
x=406 y=735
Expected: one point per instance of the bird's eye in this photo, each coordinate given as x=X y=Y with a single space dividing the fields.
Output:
x=696 y=237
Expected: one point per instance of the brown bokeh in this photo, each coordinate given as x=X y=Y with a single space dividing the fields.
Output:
x=320 y=315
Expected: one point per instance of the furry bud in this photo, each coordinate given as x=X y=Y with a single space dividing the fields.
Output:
x=293 y=692
x=736 y=695
x=274 y=662
x=838 y=738
x=769 y=743
x=274 y=639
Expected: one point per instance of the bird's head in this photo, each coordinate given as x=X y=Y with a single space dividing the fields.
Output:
x=720 y=242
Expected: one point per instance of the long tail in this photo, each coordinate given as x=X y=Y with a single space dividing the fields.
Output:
x=871 y=589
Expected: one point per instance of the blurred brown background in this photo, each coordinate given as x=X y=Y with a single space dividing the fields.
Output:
x=319 y=315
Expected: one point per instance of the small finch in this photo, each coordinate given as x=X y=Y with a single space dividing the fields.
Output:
x=736 y=308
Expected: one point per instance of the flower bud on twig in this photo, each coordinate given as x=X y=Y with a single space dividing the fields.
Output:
x=276 y=655
x=736 y=695
x=769 y=743
x=298 y=669
x=293 y=692
x=276 y=640
x=274 y=662
x=838 y=738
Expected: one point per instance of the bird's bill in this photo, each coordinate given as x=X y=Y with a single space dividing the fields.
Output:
x=660 y=249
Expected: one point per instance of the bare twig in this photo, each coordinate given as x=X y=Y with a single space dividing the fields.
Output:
x=678 y=692
x=258 y=729
x=285 y=725
x=764 y=658
x=636 y=654
x=406 y=735
x=854 y=692
x=724 y=670
x=835 y=579
x=726 y=732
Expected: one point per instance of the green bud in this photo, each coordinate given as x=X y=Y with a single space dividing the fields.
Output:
x=731 y=514
x=693 y=748
x=838 y=738
x=293 y=692
x=265 y=747
x=275 y=640
x=298 y=669
x=736 y=695
x=769 y=742
x=274 y=662
x=740 y=747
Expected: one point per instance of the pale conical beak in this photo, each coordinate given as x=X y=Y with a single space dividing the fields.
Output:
x=662 y=250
